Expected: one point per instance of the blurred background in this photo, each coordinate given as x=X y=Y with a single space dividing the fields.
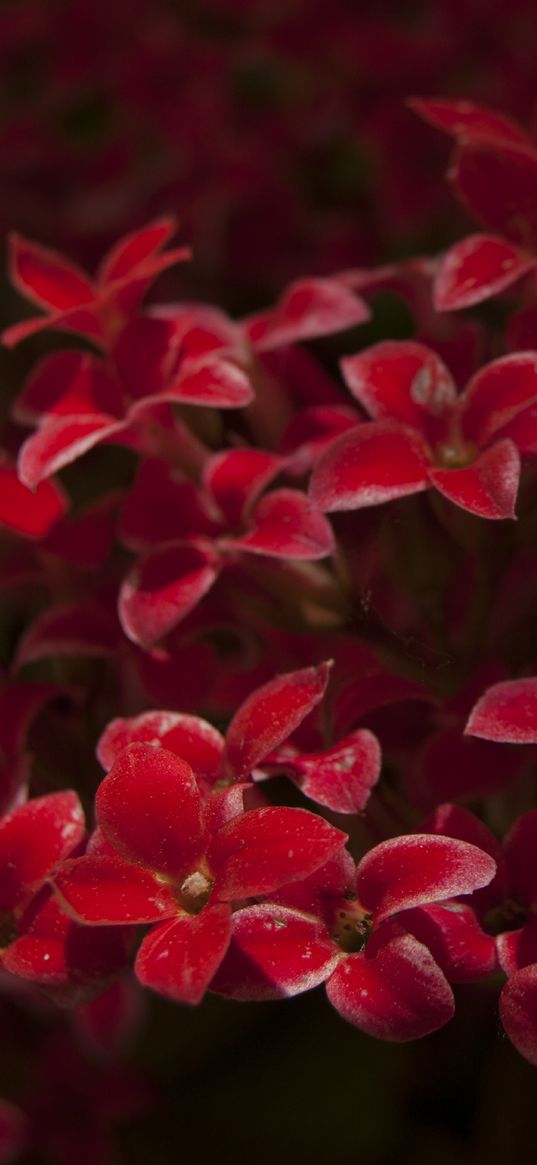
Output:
x=277 y=131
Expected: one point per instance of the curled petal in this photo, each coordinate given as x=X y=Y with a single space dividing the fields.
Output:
x=369 y=465
x=104 y=890
x=399 y=994
x=451 y=932
x=341 y=778
x=518 y=1011
x=149 y=808
x=136 y=248
x=507 y=712
x=275 y=953
x=418 y=869
x=270 y=715
x=286 y=525
x=178 y=959
x=264 y=849
x=488 y=487
x=477 y=268
x=163 y=587
x=33 y=839
x=213 y=382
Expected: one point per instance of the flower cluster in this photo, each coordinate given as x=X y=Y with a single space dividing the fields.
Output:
x=273 y=568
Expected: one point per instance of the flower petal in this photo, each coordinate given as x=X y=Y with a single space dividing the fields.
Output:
x=105 y=890
x=498 y=184
x=340 y=778
x=488 y=487
x=518 y=1011
x=149 y=808
x=60 y=441
x=467 y=121
x=163 y=587
x=31 y=513
x=45 y=277
x=497 y=394
x=403 y=381
x=418 y=869
x=369 y=465
x=236 y=477
x=400 y=994
x=286 y=525
x=477 y=268
x=178 y=959
x=275 y=953
x=308 y=308
x=451 y=932
x=506 y=712
x=33 y=839
x=270 y=714
x=264 y=849
x=190 y=737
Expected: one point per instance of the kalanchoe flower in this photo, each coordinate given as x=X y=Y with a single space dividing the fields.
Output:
x=172 y=860
x=494 y=172
x=340 y=926
x=424 y=434
x=170 y=580
x=80 y=401
x=96 y=309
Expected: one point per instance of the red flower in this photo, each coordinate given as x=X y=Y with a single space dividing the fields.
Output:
x=98 y=308
x=494 y=172
x=171 y=579
x=340 y=926
x=172 y=860
x=423 y=434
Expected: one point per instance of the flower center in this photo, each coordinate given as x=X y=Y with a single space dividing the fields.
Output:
x=451 y=455
x=352 y=927
x=194 y=892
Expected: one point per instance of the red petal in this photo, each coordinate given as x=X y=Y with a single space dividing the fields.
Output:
x=467 y=121
x=149 y=808
x=341 y=778
x=76 y=629
x=59 y=442
x=518 y=1011
x=403 y=381
x=497 y=394
x=275 y=953
x=452 y=934
x=507 y=712
x=488 y=487
x=162 y=506
x=477 y=268
x=82 y=321
x=400 y=994
x=133 y=249
x=162 y=588
x=178 y=959
x=520 y=847
x=287 y=526
x=369 y=465
x=107 y=890
x=308 y=309
x=455 y=821
x=46 y=278
x=265 y=848
x=417 y=869
x=499 y=186
x=68 y=383
x=517 y=948
x=216 y=383
x=33 y=839
x=27 y=512
x=236 y=477
x=190 y=737
x=270 y=715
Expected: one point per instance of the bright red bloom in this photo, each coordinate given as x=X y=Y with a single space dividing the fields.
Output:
x=494 y=172
x=340 y=926
x=424 y=434
x=171 y=860
x=97 y=309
